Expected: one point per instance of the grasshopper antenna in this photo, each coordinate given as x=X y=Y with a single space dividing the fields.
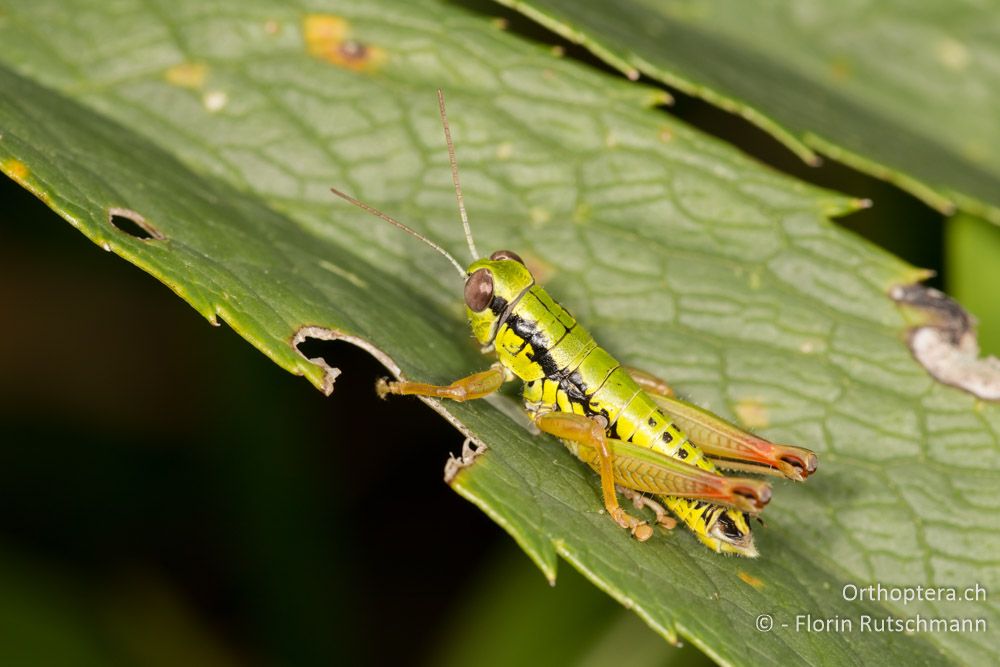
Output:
x=454 y=177
x=374 y=211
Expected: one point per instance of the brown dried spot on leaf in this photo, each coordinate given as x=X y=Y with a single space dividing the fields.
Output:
x=187 y=75
x=16 y=169
x=328 y=38
x=748 y=578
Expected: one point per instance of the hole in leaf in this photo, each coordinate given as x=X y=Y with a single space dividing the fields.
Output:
x=314 y=344
x=133 y=224
x=316 y=348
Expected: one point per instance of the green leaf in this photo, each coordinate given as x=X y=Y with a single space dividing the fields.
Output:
x=972 y=247
x=904 y=91
x=223 y=127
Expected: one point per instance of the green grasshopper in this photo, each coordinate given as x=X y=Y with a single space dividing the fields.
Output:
x=624 y=423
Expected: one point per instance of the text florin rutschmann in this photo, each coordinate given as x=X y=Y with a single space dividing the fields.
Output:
x=904 y=595
x=868 y=623
x=877 y=593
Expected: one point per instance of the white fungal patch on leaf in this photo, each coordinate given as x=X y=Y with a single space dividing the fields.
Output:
x=215 y=100
x=944 y=341
x=952 y=54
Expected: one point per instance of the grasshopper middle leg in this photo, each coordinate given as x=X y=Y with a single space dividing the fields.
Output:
x=640 y=501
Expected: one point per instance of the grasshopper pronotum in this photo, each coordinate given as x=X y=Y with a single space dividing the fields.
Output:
x=624 y=423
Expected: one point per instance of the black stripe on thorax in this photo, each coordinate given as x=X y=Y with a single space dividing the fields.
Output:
x=528 y=330
x=543 y=354
x=504 y=310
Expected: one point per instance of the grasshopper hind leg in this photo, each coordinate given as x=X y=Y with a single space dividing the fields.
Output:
x=729 y=446
x=586 y=431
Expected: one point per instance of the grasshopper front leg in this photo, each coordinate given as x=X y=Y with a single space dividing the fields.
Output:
x=728 y=446
x=477 y=385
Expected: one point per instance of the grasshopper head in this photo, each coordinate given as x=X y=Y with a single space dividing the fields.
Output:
x=491 y=287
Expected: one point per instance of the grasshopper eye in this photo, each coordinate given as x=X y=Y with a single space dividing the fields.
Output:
x=506 y=254
x=479 y=290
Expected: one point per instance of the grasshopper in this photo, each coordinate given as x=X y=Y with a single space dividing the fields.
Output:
x=624 y=423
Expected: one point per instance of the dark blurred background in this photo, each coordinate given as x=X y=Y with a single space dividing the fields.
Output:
x=169 y=496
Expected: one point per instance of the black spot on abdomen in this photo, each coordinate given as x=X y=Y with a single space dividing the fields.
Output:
x=729 y=528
